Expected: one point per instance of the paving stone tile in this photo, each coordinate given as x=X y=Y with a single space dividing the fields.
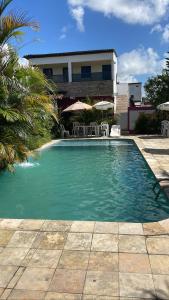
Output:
x=23 y=239
x=159 y=264
x=68 y=281
x=28 y=257
x=1 y=291
x=85 y=226
x=161 y=283
x=6 y=274
x=132 y=244
x=74 y=260
x=63 y=226
x=12 y=224
x=136 y=285
x=13 y=256
x=5 y=236
x=103 y=261
x=134 y=263
x=26 y=295
x=101 y=283
x=5 y=294
x=130 y=228
x=31 y=224
x=62 y=296
x=78 y=241
x=16 y=277
x=165 y=224
x=153 y=229
x=106 y=227
x=35 y=279
x=45 y=258
x=105 y=242
x=158 y=245
x=96 y=297
x=1 y=249
x=50 y=240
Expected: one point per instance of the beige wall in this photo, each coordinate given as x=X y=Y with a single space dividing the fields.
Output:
x=57 y=69
x=95 y=66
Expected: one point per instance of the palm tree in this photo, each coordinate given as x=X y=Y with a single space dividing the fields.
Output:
x=25 y=95
x=26 y=108
x=11 y=24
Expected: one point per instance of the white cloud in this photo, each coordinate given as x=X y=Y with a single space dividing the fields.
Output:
x=157 y=28
x=78 y=15
x=23 y=62
x=130 y=11
x=163 y=30
x=165 y=34
x=139 y=62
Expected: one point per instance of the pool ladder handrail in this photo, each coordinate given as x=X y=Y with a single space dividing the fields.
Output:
x=160 y=189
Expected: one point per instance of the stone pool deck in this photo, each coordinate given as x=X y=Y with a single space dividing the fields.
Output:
x=71 y=260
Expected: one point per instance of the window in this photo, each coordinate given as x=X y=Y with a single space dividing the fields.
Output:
x=86 y=72
x=65 y=74
x=48 y=72
x=106 y=72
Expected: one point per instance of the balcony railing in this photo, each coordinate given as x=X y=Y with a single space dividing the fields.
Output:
x=58 y=78
x=99 y=76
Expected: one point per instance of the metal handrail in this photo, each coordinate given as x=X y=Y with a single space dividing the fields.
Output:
x=156 y=183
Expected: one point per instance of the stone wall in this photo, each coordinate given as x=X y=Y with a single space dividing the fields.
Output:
x=122 y=104
x=86 y=88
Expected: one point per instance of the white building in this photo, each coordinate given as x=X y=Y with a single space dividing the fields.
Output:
x=80 y=74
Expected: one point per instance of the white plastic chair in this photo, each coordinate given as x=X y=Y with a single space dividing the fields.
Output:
x=165 y=128
x=64 y=132
x=105 y=129
x=93 y=129
x=115 y=130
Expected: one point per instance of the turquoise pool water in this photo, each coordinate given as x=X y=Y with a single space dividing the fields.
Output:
x=83 y=180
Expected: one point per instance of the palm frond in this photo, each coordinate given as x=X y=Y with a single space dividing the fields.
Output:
x=10 y=24
x=3 y=5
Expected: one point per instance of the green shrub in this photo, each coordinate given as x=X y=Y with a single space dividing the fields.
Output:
x=147 y=124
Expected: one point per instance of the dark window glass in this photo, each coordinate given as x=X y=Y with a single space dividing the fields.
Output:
x=106 y=72
x=65 y=74
x=86 y=72
x=48 y=72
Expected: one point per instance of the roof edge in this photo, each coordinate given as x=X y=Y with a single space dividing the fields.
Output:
x=29 y=56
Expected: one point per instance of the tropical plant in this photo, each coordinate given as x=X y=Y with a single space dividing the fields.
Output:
x=26 y=97
x=26 y=110
x=12 y=23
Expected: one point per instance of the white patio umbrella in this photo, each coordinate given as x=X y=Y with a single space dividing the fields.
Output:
x=103 y=105
x=78 y=106
x=163 y=106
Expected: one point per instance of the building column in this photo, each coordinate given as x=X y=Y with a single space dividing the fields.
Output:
x=70 y=71
x=112 y=69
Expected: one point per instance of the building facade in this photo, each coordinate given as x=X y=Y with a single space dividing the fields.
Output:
x=80 y=74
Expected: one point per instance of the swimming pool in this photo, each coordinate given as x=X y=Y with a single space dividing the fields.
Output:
x=103 y=180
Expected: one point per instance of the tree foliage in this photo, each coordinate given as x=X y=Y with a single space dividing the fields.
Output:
x=157 y=87
x=26 y=101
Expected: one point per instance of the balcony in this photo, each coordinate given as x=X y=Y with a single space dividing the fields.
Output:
x=99 y=76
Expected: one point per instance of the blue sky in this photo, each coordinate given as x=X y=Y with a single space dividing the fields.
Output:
x=137 y=29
